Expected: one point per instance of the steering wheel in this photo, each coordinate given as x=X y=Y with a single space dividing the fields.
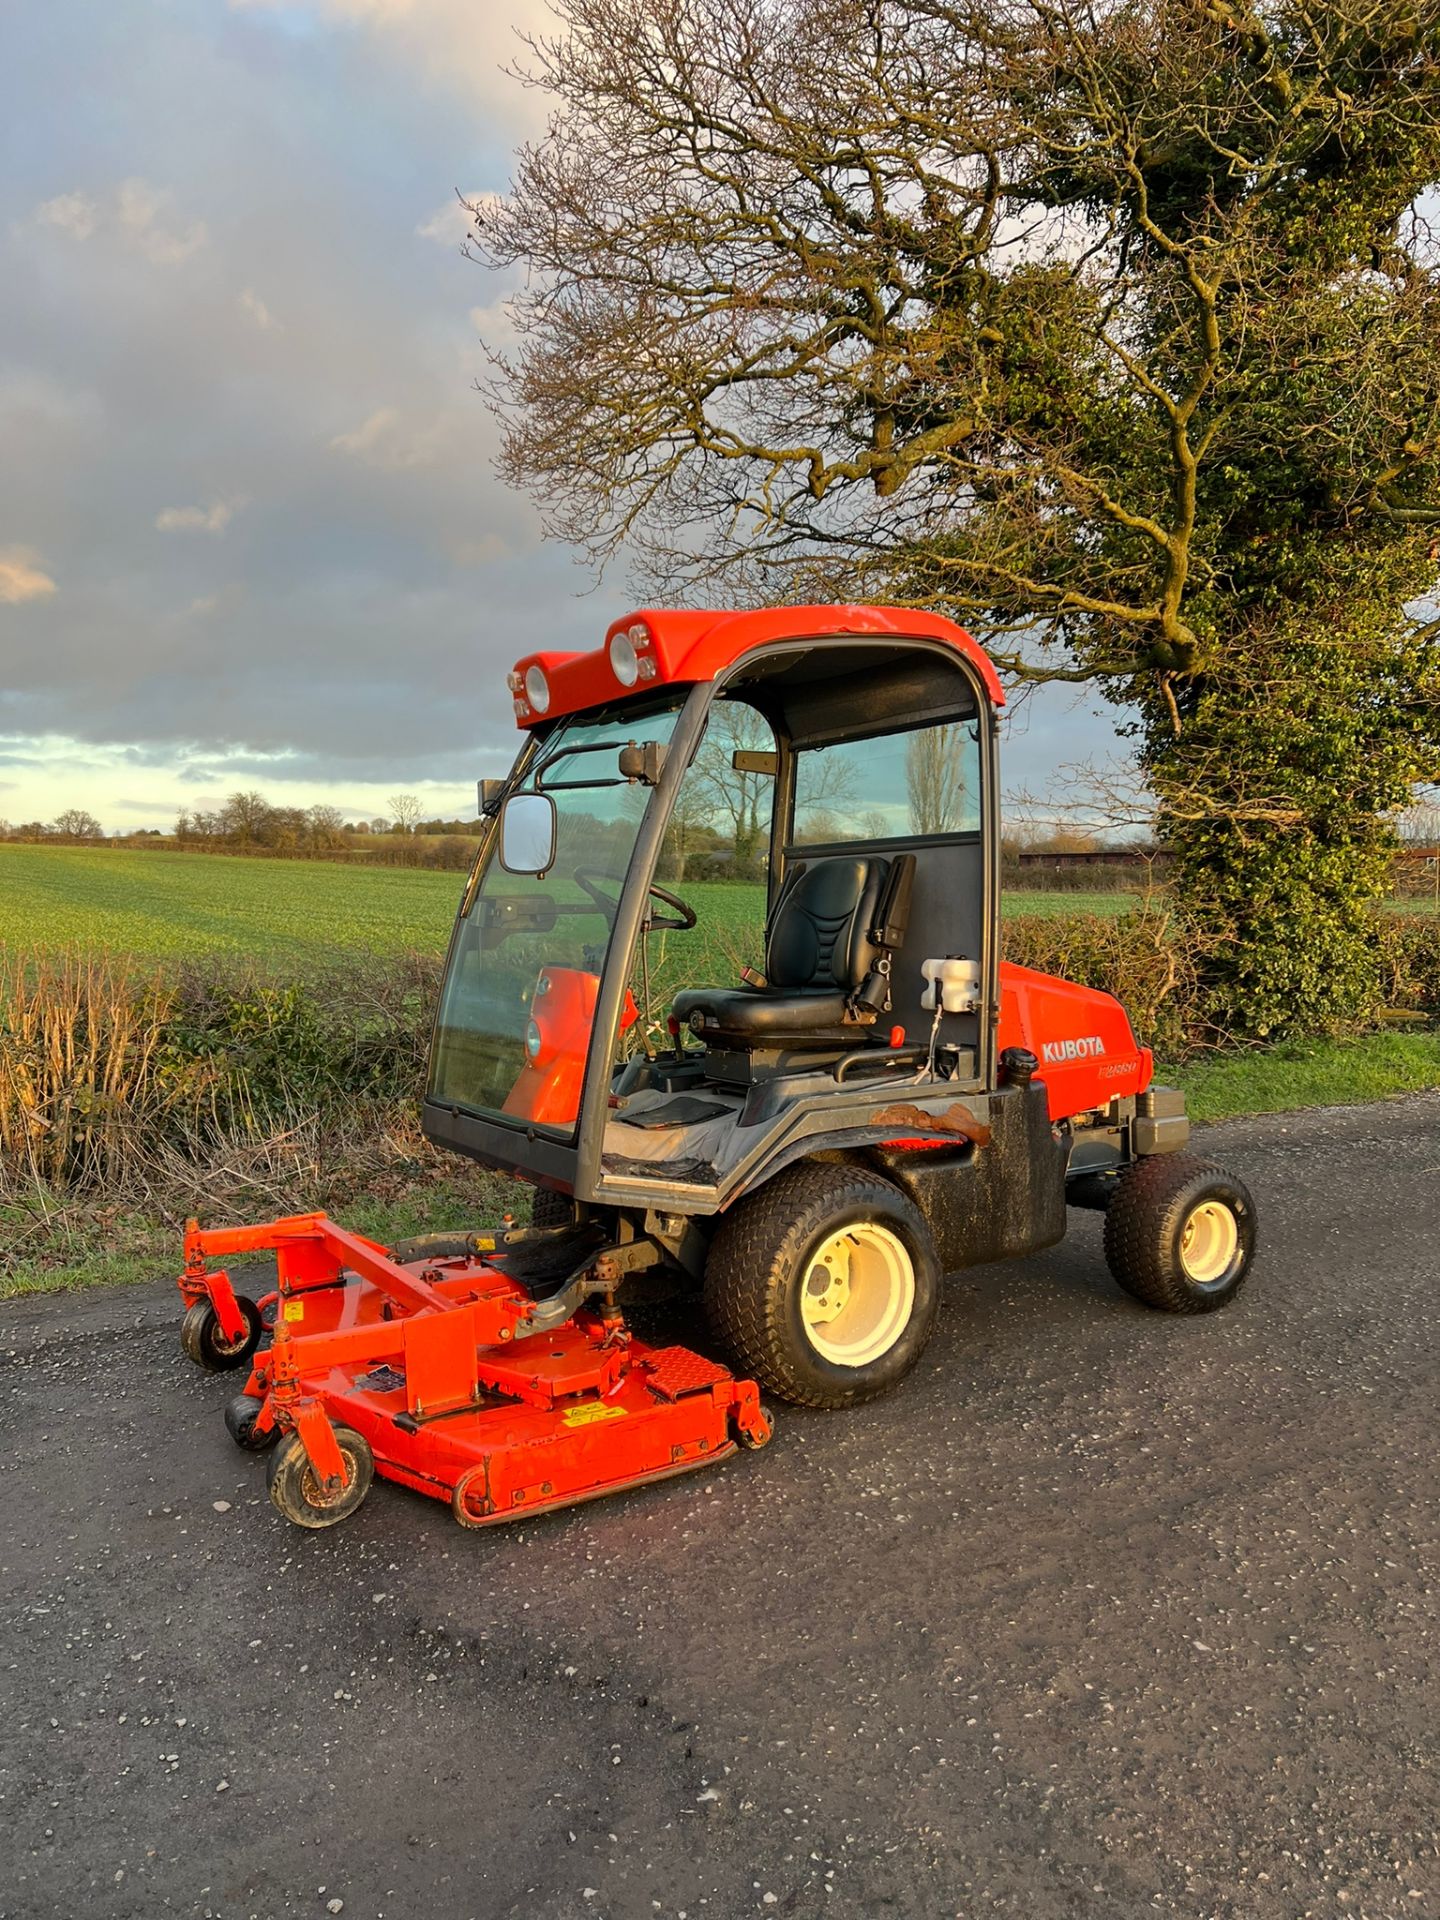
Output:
x=687 y=914
x=610 y=907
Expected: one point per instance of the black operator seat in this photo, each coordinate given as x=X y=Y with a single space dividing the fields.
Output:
x=827 y=959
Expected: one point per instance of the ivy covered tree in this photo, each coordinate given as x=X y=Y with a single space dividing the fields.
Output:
x=1113 y=331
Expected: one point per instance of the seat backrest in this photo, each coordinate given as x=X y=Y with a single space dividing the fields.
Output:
x=819 y=935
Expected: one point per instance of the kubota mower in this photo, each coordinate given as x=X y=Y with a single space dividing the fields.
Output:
x=799 y=1102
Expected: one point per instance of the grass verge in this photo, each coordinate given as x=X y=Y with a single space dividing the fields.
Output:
x=96 y=1246
x=1298 y=1074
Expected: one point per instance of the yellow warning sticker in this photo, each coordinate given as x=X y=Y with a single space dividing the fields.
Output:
x=485 y=1242
x=597 y=1410
x=294 y=1309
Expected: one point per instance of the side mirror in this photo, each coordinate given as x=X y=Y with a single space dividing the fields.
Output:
x=527 y=834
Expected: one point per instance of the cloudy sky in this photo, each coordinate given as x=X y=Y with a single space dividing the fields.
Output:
x=250 y=529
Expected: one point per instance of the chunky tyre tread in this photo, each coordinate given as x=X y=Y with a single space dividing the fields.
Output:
x=549 y=1209
x=1142 y=1229
x=757 y=1246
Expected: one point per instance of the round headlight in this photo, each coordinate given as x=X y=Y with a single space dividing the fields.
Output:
x=532 y=1040
x=623 y=663
x=537 y=689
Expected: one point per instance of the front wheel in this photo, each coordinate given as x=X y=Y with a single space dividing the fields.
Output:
x=205 y=1344
x=297 y=1491
x=1180 y=1233
x=824 y=1285
x=242 y=1418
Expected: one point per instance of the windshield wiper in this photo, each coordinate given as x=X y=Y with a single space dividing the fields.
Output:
x=568 y=753
x=643 y=763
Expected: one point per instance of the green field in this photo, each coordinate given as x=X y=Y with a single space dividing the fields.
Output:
x=161 y=905
x=169 y=905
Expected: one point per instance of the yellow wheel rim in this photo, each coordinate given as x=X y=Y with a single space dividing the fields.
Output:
x=1208 y=1243
x=857 y=1294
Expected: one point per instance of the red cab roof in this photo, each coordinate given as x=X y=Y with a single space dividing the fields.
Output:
x=659 y=646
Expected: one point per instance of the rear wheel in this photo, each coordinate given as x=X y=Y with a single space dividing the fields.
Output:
x=549 y=1209
x=207 y=1346
x=824 y=1285
x=1180 y=1233
x=300 y=1494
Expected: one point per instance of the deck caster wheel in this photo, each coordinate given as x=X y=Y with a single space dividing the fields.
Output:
x=240 y=1417
x=296 y=1489
x=824 y=1285
x=206 y=1345
x=1180 y=1233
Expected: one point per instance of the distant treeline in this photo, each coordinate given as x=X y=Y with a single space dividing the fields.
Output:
x=249 y=824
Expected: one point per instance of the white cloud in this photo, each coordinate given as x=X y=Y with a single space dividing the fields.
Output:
x=206 y=605
x=255 y=309
x=452 y=224
x=141 y=215
x=212 y=519
x=389 y=441
x=464 y=44
x=479 y=552
x=142 y=211
x=494 y=324
x=21 y=579
x=73 y=213
x=127 y=785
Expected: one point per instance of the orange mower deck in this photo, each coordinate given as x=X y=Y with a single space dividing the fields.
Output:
x=442 y=1374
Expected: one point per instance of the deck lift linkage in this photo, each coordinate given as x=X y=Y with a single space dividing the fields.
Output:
x=803 y=1152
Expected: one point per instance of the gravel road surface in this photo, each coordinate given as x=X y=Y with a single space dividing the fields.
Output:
x=1103 y=1614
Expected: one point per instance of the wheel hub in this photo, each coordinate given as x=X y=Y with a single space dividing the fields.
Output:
x=1209 y=1241
x=858 y=1294
x=327 y=1493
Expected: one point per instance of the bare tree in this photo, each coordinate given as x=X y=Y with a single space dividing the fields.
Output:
x=740 y=801
x=244 y=817
x=688 y=830
x=326 y=825
x=935 y=764
x=1419 y=825
x=76 y=824
x=405 y=810
x=1114 y=331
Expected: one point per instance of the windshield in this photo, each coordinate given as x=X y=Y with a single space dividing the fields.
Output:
x=518 y=1003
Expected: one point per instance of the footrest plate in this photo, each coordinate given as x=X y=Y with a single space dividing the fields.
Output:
x=672 y=1372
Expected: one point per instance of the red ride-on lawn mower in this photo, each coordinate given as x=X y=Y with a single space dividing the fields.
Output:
x=801 y=1099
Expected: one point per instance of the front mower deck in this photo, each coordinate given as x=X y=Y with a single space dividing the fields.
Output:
x=454 y=1379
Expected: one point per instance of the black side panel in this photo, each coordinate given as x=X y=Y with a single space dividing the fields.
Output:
x=992 y=1202
x=522 y=1150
